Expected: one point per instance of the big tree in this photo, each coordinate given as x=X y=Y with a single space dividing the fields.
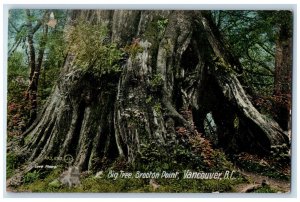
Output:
x=137 y=78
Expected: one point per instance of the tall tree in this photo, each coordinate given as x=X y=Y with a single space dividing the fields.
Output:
x=35 y=62
x=283 y=70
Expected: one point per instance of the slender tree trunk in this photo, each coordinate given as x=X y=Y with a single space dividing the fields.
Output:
x=36 y=75
x=283 y=75
x=30 y=44
x=35 y=63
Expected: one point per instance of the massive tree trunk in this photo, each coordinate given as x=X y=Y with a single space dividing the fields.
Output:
x=173 y=81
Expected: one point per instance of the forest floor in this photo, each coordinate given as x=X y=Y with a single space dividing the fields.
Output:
x=263 y=174
x=252 y=171
x=252 y=185
x=248 y=182
x=255 y=182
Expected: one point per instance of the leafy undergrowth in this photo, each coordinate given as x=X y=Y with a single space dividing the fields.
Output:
x=41 y=182
x=265 y=189
x=135 y=185
x=264 y=166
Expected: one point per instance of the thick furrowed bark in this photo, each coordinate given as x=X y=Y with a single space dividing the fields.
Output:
x=71 y=132
x=264 y=131
x=84 y=140
x=67 y=114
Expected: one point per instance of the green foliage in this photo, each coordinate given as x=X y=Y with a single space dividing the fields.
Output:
x=56 y=52
x=17 y=75
x=18 y=108
x=154 y=33
x=11 y=164
x=134 y=185
x=220 y=161
x=273 y=169
x=265 y=189
x=157 y=108
x=251 y=36
x=157 y=81
x=187 y=151
x=159 y=157
x=55 y=184
x=149 y=99
x=280 y=154
x=162 y=24
x=31 y=176
x=88 y=42
x=42 y=185
x=18 y=68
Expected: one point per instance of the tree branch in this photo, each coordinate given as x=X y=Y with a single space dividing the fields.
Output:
x=14 y=47
x=265 y=49
x=259 y=62
x=217 y=44
x=258 y=73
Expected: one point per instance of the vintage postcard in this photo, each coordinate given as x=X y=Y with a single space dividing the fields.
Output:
x=164 y=101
